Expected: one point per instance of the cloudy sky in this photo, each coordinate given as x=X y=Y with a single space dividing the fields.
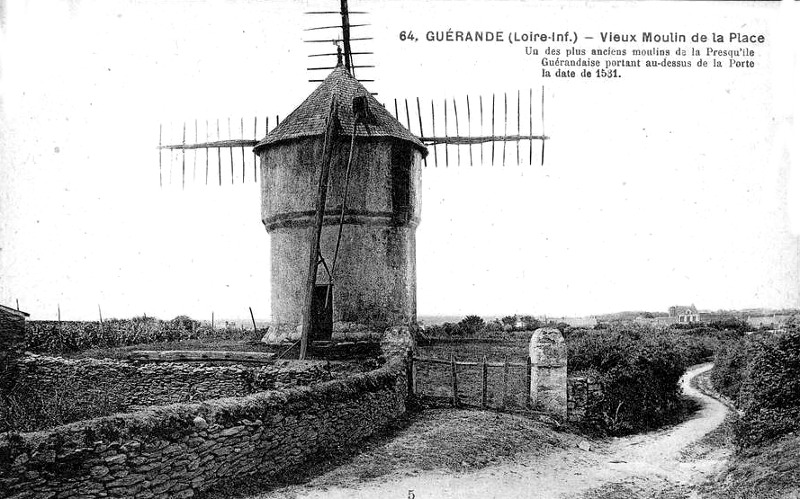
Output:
x=660 y=187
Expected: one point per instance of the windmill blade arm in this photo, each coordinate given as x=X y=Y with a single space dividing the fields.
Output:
x=213 y=145
x=481 y=139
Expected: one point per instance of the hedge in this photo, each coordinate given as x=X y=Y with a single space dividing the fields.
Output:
x=639 y=371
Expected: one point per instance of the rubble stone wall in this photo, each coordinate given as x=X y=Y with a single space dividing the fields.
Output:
x=181 y=449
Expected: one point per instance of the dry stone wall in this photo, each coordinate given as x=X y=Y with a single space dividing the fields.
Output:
x=127 y=384
x=181 y=449
x=584 y=399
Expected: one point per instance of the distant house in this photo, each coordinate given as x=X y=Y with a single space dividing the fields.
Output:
x=683 y=314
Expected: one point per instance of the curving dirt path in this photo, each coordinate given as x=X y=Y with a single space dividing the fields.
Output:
x=663 y=464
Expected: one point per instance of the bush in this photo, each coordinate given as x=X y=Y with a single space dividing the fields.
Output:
x=639 y=372
x=730 y=363
x=68 y=336
x=769 y=399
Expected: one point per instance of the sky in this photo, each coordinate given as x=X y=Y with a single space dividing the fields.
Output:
x=659 y=188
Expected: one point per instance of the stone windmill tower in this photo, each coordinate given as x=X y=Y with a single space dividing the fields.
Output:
x=340 y=197
x=366 y=269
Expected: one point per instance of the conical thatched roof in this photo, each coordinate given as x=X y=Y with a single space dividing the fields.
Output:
x=308 y=119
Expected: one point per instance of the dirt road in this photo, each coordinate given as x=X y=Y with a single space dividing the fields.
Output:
x=663 y=464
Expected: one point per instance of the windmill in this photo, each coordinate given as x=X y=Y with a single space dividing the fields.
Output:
x=340 y=193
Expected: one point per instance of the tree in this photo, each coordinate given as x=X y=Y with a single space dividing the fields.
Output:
x=472 y=324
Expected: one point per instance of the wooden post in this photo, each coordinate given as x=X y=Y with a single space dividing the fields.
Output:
x=454 y=379
x=206 y=153
x=194 y=156
x=530 y=126
x=212 y=320
x=348 y=54
x=528 y=383
x=469 y=130
x=230 y=149
x=505 y=128
x=505 y=382
x=446 y=155
x=183 y=159
x=322 y=194
x=219 y=156
x=458 y=147
x=100 y=312
x=252 y=317
x=433 y=126
x=59 y=312
x=493 y=142
x=421 y=133
x=255 y=137
x=17 y=303
x=484 y=377
x=160 y=179
x=480 y=103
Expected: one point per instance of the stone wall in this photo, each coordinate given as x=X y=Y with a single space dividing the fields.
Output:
x=127 y=384
x=181 y=449
x=584 y=399
x=12 y=340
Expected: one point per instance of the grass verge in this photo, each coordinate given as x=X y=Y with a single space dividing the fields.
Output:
x=449 y=440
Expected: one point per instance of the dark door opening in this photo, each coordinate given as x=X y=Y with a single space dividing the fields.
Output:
x=322 y=313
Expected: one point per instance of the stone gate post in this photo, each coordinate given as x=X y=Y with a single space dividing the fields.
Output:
x=549 y=371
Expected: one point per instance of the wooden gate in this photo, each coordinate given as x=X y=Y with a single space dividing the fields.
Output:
x=496 y=385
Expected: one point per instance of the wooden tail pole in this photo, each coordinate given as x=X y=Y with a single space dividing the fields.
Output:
x=59 y=311
x=252 y=318
x=100 y=312
x=212 y=320
x=17 y=304
x=322 y=193
x=396 y=113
